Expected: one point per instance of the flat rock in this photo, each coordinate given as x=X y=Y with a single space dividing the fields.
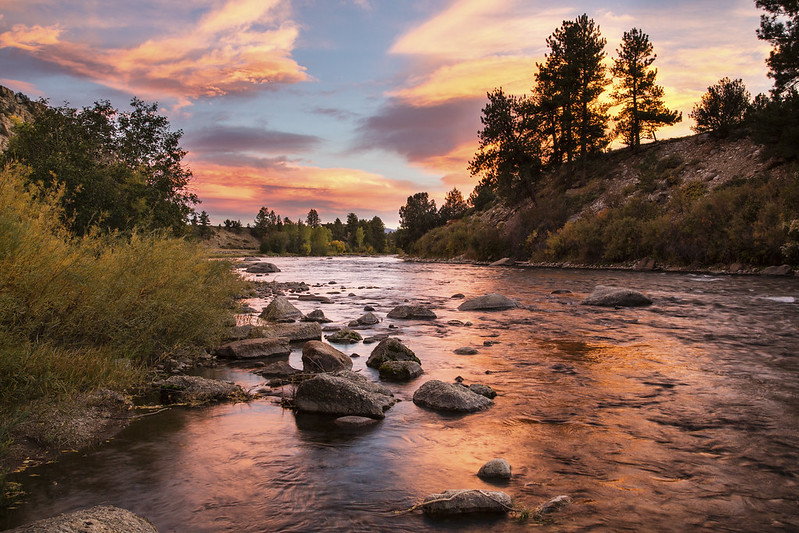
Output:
x=466 y=350
x=294 y=332
x=441 y=396
x=195 y=389
x=254 y=348
x=783 y=270
x=616 y=297
x=505 y=261
x=354 y=421
x=390 y=349
x=281 y=310
x=320 y=357
x=314 y=298
x=262 y=268
x=345 y=336
x=409 y=312
x=280 y=369
x=339 y=395
x=400 y=370
x=555 y=504
x=489 y=302
x=99 y=519
x=466 y=501
x=495 y=469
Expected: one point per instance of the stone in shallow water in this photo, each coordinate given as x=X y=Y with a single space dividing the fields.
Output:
x=390 y=349
x=342 y=395
x=489 y=302
x=466 y=501
x=254 y=348
x=281 y=310
x=495 y=469
x=99 y=519
x=466 y=350
x=455 y=398
x=400 y=370
x=409 y=312
x=320 y=357
x=604 y=296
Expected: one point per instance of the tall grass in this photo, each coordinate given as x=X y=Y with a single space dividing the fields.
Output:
x=77 y=314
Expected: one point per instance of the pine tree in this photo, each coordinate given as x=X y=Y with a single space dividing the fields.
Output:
x=781 y=28
x=643 y=110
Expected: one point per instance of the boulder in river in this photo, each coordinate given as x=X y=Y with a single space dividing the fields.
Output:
x=318 y=316
x=483 y=390
x=390 y=349
x=195 y=389
x=466 y=350
x=410 y=312
x=495 y=469
x=400 y=370
x=262 y=268
x=314 y=298
x=320 y=357
x=342 y=395
x=369 y=319
x=281 y=310
x=605 y=296
x=295 y=332
x=783 y=270
x=280 y=369
x=489 y=302
x=98 y=519
x=345 y=336
x=441 y=396
x=254 y=348
x=466 y=501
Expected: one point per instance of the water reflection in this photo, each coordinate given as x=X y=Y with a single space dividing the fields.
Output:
x=680 y=416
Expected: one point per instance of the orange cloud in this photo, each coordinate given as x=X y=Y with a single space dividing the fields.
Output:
x=231 y=49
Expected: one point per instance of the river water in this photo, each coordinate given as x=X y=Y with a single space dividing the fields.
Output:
x=681 y=416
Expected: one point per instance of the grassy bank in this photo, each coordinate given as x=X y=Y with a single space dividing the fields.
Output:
x=81 y=314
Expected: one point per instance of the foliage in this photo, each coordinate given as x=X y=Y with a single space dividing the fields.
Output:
x=313 y=218
x=643 y=110
x=781 y=28
x=722 y=109
x=454 y=206
x=417 y=217
x=120 y=170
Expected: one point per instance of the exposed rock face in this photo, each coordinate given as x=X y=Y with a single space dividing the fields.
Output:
x=400 y=370
x=784 y=270
x=390 y=349
x=262 y=268
x=495 y=469
x=409 y=312
x=318 y=316
x=441 y=396
x=281 y=310
x=369 y=319
x=345 y=336
x=254 y=348
x=13 y=107
x=342 y=395
x=320 y=357
x=195 y=389
x=616 y=297
x=466 y=501
x=489 y=302
x=298 y=332
x=99 y=519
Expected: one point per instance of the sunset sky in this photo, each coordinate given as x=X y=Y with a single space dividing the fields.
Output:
x=342 y=105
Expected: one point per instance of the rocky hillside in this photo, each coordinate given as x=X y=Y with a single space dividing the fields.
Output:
x=13 y=107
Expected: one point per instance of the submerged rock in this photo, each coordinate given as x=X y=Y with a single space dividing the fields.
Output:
x=400 y=370
x=262 y=268
x=489 y=302
x=280 y=369
x=455 y=398
x=320 y=357
x=408 y=312
x=354 y=421
x=99 y=519
x=343 y=396
x=281 y=310
x=495 y=469
x=390 y=349
x=616 y=297
x=196 y=389
x=345 y=336
x=314 y=298
x=466 y=501
x=254 y=348
x=555 y=504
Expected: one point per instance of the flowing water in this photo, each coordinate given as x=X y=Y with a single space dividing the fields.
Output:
x=681 y=416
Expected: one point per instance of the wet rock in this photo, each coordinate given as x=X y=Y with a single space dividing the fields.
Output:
x=99 y=519
x=281 y=310
x=280 y=369
x=318 y=316
x=466 y=350
x=400 y=370
x=247 y=310
x=644 y=265
x=505 y=261
x=251 y=258
x=616 y=297
x=489 y=302
x=555 y=504
x=354 y=421
x=254 y=348
x=466 y=501
x=561 y=291
x=368 y=308
x=784 y=270
x=483 y=390
x=390 y=349
x=195 y=389
x=314 y=298
x=441 y=396
x=495 y=469
x=320 y=357
x=345 y=336
x=295 y=332
x=409 y=312
x=458 y=296
x=262 y=268
x=342 y=395
x=375 y=338
x=369 y=319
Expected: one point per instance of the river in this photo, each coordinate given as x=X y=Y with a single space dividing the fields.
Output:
x=681 y=416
